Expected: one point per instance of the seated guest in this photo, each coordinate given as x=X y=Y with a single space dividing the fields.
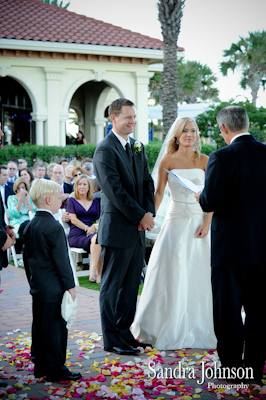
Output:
x=68 y=174
x=5 y=189
x=58 y=177
x=19 y=206
x=89 y=170
x=49 y=273
x=12 y=172
x=28 y=174
x=50 y=168
x=96 y=189
x=39 y=170
x=22 y=163
x=85 y=160
x=83 y=211
x=64 y=163
x=78 y=170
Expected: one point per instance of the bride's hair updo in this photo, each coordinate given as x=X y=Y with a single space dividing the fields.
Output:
x=177 y=130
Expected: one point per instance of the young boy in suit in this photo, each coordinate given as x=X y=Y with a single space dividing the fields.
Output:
x=50 y=275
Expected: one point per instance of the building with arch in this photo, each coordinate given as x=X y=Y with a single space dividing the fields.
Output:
x=52 y=60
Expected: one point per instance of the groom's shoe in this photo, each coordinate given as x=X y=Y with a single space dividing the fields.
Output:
x=135 y=343
x=124 y=350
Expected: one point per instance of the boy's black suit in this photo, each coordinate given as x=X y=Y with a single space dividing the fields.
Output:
x=50 y=275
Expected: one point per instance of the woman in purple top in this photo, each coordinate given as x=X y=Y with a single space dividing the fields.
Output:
x=84 y=211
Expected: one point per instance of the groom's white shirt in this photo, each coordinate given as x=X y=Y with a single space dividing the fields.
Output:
x=121 y=140
x=239 y=134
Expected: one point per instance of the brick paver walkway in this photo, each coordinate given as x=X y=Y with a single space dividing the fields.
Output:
x=85 y=355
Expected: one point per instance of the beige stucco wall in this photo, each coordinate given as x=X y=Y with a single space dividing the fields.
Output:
x=51 y=84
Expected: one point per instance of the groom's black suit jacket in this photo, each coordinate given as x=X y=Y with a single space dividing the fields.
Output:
x=126 y=196
x=235 y=189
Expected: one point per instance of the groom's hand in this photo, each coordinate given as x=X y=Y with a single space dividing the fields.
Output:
x=147 y=223
x=197 y=195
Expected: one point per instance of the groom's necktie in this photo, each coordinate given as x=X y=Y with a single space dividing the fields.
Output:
x=129 y=154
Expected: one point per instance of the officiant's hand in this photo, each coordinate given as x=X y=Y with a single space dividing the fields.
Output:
x=147 y=223
x=197 y=195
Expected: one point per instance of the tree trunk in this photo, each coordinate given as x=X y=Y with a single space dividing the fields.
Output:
x=170 y=84
x=254 y=83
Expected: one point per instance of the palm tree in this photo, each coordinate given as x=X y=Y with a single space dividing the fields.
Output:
x=58 y=3
x=169 y=14
x=249 y=55
x=195 y=82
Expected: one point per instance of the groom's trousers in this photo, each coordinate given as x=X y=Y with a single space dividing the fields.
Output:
x=234 y=287
x=119 y=289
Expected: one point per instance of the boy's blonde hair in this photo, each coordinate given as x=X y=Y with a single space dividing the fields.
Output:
x=42 y=188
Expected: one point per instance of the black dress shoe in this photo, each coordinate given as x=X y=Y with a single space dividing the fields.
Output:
x=124 y=350
x=69 y=376
x=135 y=343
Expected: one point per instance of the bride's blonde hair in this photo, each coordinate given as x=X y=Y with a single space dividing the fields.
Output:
x=178 y=128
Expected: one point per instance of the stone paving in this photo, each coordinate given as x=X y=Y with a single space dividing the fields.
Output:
x=105 y=375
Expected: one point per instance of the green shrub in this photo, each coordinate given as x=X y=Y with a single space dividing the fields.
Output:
x=32 y=153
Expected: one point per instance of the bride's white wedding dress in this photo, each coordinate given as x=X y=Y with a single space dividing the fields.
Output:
x=175 y=308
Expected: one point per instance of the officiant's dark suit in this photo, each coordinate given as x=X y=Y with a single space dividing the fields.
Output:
x=49 y=272
x=127 y=195
x=235 y=190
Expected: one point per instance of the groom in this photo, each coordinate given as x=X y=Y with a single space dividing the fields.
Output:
x=235 y=190
x=127 y=210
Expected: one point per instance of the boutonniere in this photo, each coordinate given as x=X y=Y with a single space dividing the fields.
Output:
x=137 y=147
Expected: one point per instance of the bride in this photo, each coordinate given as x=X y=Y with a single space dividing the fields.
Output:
x=175 y=308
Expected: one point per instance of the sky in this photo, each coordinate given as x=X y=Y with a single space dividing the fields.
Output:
x=207 y=28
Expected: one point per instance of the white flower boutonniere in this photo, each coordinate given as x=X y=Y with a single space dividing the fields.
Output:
x=137 y=147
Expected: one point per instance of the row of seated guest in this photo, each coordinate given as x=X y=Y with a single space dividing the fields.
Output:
x=83 y=211
x=19 y=205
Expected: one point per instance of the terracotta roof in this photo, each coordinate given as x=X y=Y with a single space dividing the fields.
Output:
x=37 y=21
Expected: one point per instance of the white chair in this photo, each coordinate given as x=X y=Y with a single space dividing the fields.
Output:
x=76 y=251
x=11 y=252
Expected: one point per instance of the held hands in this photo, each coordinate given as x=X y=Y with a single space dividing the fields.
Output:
x=197 y=195
x=147 y=223
x=10 y=232
x=90 y=230
x=203 y=231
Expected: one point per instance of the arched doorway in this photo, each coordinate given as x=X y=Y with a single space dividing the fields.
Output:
x=89 y=102
x=15 y=112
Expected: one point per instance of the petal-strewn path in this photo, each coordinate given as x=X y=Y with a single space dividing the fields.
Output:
x=105 y=375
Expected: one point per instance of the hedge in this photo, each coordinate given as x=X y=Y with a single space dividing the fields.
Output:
x=32 y=153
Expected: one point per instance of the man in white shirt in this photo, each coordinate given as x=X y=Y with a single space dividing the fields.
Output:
x=12 y=172
x=5 y=189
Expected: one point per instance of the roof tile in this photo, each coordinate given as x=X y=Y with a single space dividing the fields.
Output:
x=34 y=20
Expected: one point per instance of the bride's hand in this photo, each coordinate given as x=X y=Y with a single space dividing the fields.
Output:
x=202 y=231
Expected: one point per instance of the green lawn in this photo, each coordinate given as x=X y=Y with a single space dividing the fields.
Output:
x=84 y=282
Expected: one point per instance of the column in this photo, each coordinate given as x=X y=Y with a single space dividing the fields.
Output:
x=53 y=133
x=39 y=119
x=142 y=81
x=99 y=129
x=63 y=118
